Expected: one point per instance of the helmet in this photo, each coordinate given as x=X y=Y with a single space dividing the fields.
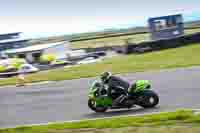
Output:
x=105 y=76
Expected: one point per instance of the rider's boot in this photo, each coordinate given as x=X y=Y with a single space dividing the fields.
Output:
x=120 y=100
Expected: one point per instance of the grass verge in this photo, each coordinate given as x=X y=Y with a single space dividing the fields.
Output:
x=171 y=58
x=178 y=118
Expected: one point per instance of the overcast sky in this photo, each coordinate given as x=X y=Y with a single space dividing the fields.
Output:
x=45 y=17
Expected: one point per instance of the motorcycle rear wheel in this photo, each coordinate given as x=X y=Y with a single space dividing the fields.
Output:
x=150 y=100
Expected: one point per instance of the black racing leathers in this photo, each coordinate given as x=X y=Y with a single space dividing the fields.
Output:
x=118 y=85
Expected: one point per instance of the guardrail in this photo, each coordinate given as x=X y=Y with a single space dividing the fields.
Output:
x=164 y=44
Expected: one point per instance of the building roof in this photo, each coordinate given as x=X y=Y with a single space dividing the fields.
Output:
x=11 y=34
x=12 y=40
x=33 y=48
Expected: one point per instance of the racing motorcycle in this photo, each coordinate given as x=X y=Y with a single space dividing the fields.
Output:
x=140 y=93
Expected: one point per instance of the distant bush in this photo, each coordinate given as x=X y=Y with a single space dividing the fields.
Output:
x=47 y=58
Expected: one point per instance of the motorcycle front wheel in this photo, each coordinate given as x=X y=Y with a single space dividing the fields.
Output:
x=92 y=106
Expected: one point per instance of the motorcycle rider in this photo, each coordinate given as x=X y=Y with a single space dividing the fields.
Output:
x=116 y=84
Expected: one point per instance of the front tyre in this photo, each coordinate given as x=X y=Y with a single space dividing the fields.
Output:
x=150 y=100
x=92 y=106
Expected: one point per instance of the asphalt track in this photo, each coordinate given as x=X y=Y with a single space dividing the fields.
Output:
x=67 y=100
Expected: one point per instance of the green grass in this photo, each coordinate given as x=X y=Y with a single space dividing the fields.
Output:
x=111 y=41
x=180 y=117
x=121 y=40
x=171 y=58
x=191 y=31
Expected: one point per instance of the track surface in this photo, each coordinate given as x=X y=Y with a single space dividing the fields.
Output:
x=67 y=100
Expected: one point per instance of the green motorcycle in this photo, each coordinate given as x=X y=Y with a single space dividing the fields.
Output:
x=139 y=93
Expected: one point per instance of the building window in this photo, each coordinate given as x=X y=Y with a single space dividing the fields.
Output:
x=21 y=55
x=36 y=56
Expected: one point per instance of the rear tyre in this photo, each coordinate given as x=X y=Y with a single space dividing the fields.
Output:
x=92 y=106
x=150 y=100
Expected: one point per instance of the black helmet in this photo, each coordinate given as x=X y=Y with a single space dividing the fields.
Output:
x=105 y=76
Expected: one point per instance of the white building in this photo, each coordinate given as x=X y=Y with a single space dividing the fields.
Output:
x=33 y=53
